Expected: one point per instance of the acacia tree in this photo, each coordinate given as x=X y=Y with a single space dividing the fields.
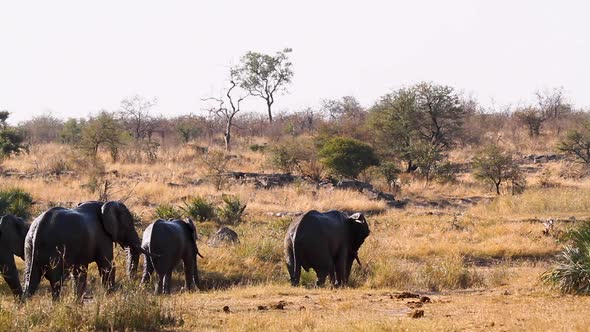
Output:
x=553 y=103
x=577 y=144
x=264 y=75
x=495 y=166
x=225 y=113
x=532 y=118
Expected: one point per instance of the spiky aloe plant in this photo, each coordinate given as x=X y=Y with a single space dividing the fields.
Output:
x=571 y=274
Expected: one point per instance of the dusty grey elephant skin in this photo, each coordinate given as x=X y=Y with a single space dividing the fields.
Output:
x=326 y=242
x=61 y=241
x=170 y=241
x=12 y=242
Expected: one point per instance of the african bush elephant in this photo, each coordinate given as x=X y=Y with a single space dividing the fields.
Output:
x=326 y=242
x=172 y=240
x=12 y=242
x=61 y=240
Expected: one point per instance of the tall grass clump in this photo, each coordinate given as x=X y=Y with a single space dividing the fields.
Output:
x=167 y=211
x=232 y=210
x=129 y=309
x=199 y=209
x=15 y=201
x=571 y=274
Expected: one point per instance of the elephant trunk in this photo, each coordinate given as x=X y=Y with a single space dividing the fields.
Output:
x=132 y=260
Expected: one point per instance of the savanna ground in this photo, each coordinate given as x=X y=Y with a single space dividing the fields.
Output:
x=477 y=257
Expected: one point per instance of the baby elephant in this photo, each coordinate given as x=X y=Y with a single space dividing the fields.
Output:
x=170 y=241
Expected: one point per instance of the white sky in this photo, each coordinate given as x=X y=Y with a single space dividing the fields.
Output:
x=75 y=57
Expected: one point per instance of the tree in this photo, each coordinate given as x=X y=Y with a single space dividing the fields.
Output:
x=11 y=139
x=347 y=157
x=188 y=127
x=495 y=166
x=577 y=144
x=225 y=113
x=264 y=75
x=440 y=113
x=136 y=112
x=553 y=103
x=71 y=133
x=532 y=118
x=425 y=113
x=102 y=130
x=43 y=129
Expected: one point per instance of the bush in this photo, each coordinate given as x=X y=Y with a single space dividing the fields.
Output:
x=347 y=157
x=16 y=201
x=257 y=148
x=232 y=210
x=199 y=209
x=167 y=211
x=496 y=167
x=571 y=274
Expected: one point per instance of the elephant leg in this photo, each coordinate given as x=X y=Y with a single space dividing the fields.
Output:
x=10 y=274
x=160 y=286
x=294 y=269
x=189 y=273
x=55 y=275
x=333 y=277
x=33 y=274
x=80 y=275
x=107 y=272
x=321 y=278
x=340 y=268
x=148 y=269
x=167 y=282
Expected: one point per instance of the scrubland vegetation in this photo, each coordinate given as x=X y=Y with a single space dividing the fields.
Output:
x=468 y=226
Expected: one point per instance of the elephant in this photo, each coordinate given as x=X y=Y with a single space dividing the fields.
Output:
x=12 y=242
x=62 y=240
x=172 y=240
x=326 y=242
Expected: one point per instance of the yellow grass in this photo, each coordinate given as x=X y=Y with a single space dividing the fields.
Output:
x=480 y=265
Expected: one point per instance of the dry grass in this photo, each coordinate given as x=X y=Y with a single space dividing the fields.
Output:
x=464 y=258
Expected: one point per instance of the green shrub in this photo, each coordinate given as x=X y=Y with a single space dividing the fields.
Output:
x=16 y=201
x=199 y=209
x=571 y=274
x=347 y=157
x=232 y=210
x=167 y=211
x=257 y=148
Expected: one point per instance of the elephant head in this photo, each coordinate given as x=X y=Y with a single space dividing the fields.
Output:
x=359 y=230
x=118 y=223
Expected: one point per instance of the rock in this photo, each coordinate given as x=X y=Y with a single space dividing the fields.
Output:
x=353 y=184
x=407 y=295
x=425 y=299
x=226 y=309
x=224 y=235
x=262 y=307
x=280 y=305
x=416 y=314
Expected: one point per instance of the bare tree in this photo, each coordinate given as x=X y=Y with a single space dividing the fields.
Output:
x=225 y=113
x=136 y=111
x=552 y=102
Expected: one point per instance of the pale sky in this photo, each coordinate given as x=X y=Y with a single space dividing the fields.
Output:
x=72 y=58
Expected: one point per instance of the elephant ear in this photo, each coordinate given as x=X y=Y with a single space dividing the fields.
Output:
x=110 y=216
x=192 y=229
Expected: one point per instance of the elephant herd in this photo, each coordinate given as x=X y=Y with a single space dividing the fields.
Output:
x=61 y=243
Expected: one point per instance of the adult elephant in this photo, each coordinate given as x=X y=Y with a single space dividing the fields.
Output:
x=12 y=242
x=62 y=240
x=326 y=242
x=173 y=240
